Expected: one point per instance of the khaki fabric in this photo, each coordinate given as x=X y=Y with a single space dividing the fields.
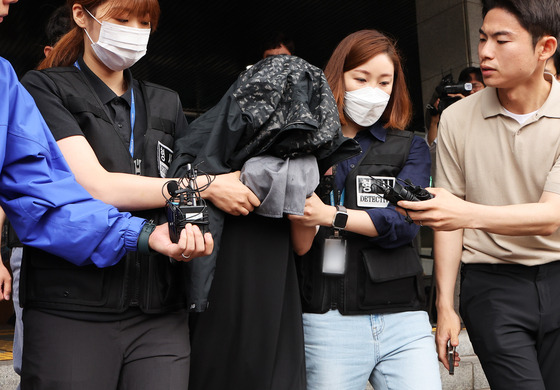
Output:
x=486 y=157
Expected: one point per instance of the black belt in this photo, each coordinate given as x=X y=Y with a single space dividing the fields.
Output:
x=512 y=268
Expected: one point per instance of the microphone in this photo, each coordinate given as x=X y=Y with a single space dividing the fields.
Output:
x=173 y=188
x=185 y=205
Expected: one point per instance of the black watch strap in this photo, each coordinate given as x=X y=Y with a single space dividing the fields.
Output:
x=144 y=236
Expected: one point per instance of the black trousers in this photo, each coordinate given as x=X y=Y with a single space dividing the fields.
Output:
x=251 y=335
x=512 y=315
x=143 y=352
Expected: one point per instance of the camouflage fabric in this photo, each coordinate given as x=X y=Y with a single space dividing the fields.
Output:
x=288 y=106
x=281 y=106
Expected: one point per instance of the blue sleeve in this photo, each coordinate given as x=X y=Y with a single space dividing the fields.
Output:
x=393 y=230
x=47 y=207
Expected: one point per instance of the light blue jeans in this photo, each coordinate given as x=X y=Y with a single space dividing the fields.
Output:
x=15 y=265
x=393 y=351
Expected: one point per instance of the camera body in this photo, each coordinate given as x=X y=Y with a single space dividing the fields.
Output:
x=178 y=215
x=445 y=88
x=185 y=205
x=464 y=89
x=408 y=191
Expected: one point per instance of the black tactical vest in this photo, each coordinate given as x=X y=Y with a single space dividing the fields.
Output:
x=377 y=280
x=151 y=282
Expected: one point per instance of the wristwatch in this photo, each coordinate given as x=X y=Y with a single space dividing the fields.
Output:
x=340 y=218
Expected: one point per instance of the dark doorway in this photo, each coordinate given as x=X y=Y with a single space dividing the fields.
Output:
x=200 y=47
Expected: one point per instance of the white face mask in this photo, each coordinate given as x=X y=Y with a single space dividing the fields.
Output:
x=119 y=47
x=365 y=105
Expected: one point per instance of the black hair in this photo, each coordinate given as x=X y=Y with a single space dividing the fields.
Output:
x=556 y=58
x=57 y=25
x=276 y=39
x=538 y=17
x=464 y=76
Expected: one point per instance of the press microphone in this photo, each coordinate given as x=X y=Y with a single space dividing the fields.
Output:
x=173 y=188
x=185 y=204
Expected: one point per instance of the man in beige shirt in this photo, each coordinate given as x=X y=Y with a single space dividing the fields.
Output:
x=498 y=208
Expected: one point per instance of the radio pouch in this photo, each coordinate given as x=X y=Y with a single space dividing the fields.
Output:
x=391 y=281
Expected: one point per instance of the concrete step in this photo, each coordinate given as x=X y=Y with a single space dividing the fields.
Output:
x=8 y=378
x=469 y=374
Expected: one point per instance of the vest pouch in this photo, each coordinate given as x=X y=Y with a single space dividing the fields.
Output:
x=390 y=280
x=166 y=289
x=52 y=282
x=313 y=284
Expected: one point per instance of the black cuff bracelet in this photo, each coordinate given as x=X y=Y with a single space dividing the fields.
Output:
x=144 y=236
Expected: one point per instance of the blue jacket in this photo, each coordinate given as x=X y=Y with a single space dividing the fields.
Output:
x=47 y=207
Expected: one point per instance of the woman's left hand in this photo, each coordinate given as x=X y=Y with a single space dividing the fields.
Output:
x=192 y=243
x=315 y=213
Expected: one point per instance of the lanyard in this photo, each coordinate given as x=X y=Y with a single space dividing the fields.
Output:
x=132 y=116
x=333 y=203
x=132 y=120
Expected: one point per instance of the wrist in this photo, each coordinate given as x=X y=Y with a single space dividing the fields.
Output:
x=444 y=306
x=329 y=216
x=201 y=182
x=325 y=216
x=475 y=218
x=143 y=245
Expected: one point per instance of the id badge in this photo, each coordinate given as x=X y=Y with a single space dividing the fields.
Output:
x=334 y=256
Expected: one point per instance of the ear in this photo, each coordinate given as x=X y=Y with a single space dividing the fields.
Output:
x=79 y=15
x=548 y=45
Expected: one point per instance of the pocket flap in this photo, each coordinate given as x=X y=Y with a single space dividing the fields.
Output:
x=383 y=265
x=163 y=124
x=78 y=105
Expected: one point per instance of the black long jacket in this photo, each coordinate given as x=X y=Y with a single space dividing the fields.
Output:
x=282 y=106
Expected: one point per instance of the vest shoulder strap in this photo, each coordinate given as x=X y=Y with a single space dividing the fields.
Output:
x=397 y=142
x=76 y=93
x=153 y=95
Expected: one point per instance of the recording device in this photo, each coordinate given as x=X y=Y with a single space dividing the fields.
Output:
x=408 y=191
x=185 y=205
x=445 y=88
x=451 y=358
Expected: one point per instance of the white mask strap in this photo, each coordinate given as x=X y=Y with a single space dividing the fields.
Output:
x=91 y=40
x=90 y=14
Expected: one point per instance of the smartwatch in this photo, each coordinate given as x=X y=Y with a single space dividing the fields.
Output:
x=340 y=217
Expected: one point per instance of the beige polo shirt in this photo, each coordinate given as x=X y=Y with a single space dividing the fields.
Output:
x=486 y=157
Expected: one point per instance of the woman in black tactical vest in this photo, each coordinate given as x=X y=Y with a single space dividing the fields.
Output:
x=361 y=281
x=122 y=325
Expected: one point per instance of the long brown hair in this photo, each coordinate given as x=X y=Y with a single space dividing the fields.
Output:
x=355 y=50
x=67 y=50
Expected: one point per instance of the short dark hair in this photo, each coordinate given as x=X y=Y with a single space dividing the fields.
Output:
x=464 y=76
x=556 y=58
x=276 y=39
x=57 y=25
x=538 y=17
